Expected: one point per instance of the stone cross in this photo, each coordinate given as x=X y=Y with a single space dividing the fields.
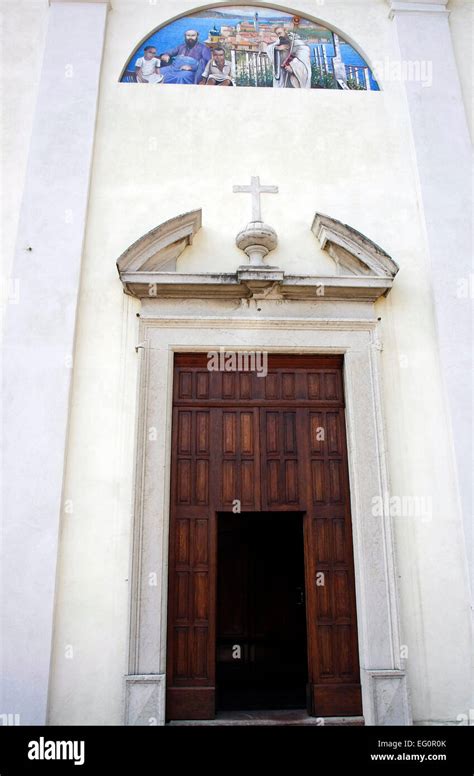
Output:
x=255 y=189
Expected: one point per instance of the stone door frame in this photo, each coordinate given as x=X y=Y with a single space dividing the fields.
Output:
x=348 y=328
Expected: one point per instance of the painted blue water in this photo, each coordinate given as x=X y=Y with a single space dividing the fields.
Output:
x=173 y=35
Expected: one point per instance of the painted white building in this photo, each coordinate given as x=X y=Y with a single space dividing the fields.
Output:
x=90 y=166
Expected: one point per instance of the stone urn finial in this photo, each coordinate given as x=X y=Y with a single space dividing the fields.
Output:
x=257 y=240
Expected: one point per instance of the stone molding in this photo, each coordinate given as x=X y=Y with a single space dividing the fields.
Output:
x=353 y=253
x=344 y=327
x=421 y=6
x=236 y=286
x=159 y=249
x=148 y=268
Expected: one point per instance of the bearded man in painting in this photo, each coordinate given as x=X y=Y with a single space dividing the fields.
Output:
x=187 y=61
x=291 y=59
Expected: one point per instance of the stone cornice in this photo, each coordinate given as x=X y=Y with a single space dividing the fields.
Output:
x=232 y=286
x=417 y=6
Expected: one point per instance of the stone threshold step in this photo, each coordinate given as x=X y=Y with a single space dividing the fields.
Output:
x=282 y=718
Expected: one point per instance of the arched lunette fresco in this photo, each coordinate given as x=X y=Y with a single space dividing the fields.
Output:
x=248 y=46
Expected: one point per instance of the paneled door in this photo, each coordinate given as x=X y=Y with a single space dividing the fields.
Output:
x=274 y=445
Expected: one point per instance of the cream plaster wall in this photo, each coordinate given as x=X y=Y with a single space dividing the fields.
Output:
x=38 y=345
x=461 y=21
x=22 y=33
x=160 y=152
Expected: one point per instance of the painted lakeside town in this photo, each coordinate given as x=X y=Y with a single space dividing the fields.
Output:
x=249 y=47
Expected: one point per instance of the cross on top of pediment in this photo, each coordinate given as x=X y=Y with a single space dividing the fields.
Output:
x=256 y=190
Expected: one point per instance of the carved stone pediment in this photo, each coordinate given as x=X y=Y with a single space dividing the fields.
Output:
x=352 y=252
x=148 y=268
x=158 y=250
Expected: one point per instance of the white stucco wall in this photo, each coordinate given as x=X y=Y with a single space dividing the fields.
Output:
x=38 y=346
x=22 y=34
x=461 y=21
x=163 y=151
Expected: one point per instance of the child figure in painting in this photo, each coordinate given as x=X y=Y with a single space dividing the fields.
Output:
x=147 y=68
x=219 y=71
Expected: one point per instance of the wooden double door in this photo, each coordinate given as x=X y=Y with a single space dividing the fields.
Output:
x=261 y=594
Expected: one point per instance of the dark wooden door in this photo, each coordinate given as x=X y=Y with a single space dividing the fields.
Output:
x=261 y=623
x=273 y=444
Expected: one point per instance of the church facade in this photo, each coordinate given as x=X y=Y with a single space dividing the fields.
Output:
x=236 y=362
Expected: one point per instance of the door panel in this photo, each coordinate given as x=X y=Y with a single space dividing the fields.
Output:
x=275 y=444
x=330 y=584
x=237 y=458
x=279 y=465
x=191 y=625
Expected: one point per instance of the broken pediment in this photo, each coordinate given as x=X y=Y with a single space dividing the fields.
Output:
x=148 y=268
x=352 y=252
x=159 y=249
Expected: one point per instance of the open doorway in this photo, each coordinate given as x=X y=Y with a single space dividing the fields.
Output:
x=261 y=640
